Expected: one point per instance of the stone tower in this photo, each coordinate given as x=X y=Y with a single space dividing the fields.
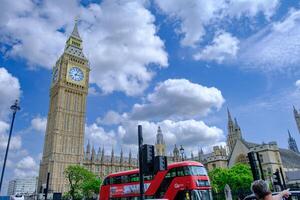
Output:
x=234 y=132
x=176 y=154
x=297 y=118
x=160 y=146
x=64 y=137
x=292 y=143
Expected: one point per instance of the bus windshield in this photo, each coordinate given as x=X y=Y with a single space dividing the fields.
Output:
x=200 y=195
x=194 y=195
x=195 y=171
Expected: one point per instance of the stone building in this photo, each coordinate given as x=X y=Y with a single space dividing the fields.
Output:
x=160 y=145
x=292 y=143
x=101 y=164
x=25 y=186
x=297 y=118
x=236 y=151
x=64 y=138
x=271 y=156
x=218 y=158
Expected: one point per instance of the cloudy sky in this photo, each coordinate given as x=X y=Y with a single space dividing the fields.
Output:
x=177 y=64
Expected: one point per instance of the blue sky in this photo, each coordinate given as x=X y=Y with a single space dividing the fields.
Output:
x=177 y=64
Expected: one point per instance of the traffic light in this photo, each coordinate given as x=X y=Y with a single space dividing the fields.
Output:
x=148 y=158
x=253 y=165
x=148 y=153
x=276 y=178
x=160 y=163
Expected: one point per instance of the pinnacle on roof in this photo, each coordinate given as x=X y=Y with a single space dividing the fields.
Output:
x=229 y=115
x=295 y=110
x=159 y=130
x=236 y=123
x=289 y=134
x=88 y=148
x=75 y=32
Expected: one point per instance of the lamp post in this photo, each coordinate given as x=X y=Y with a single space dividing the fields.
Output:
x=14 y=108
x=182 y=152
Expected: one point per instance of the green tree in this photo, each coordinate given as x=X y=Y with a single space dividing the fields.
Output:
x=239 y=178
x=218 y=178
x=82 y=182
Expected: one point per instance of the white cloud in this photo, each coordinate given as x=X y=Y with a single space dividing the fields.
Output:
x=8 y=94
x=195 y=15
x=120 y=39
x=39 y=124
x=27 y=163
x=274 y=48
x=223 y=46
x=93 y=91
x=15 y=142
x=297 y=83
x=3 y=127
x=26 y=167
x=99 y=137
x=179 y=99
x=110 y=118
x=252 y=7
x=190 y=133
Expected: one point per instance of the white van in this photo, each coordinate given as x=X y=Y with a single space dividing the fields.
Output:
x=17 y=197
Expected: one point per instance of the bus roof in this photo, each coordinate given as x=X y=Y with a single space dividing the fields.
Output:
x=170 y=166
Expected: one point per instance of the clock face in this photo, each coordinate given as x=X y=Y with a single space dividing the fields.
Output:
x=55 y=74
x=76 y=74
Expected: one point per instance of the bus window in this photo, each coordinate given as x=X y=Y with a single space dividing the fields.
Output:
x=187 y=171
x=197 y=171
x=171 y=173
x=124 y=179
x=134 y=178
x=116 y=180
x=180 y=171
x=148 y=177
x=106 y=181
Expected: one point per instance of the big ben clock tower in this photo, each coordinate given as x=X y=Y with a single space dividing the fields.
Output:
x=64 y=137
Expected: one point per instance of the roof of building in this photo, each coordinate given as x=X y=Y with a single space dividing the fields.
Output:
x=289 y=158
x=293 y=175
x=75 y=32
x=250 y=144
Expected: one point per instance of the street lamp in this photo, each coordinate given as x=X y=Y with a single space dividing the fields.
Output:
x=182 y=152
x=14 y=108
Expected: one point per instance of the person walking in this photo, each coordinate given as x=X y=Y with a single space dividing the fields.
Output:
x=262 y=192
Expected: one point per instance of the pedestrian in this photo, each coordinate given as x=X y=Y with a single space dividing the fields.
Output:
x=262 y=192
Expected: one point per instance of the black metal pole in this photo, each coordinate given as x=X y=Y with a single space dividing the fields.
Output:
x=260 y=167
x=15 y=108
x=283 y=179
x=47 y=186
x=141 y=165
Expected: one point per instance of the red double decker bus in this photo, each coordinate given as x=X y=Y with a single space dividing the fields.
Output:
x=187 y=180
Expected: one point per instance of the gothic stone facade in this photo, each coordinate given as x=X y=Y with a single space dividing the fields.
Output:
x=64 y=138
x=102 y=165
